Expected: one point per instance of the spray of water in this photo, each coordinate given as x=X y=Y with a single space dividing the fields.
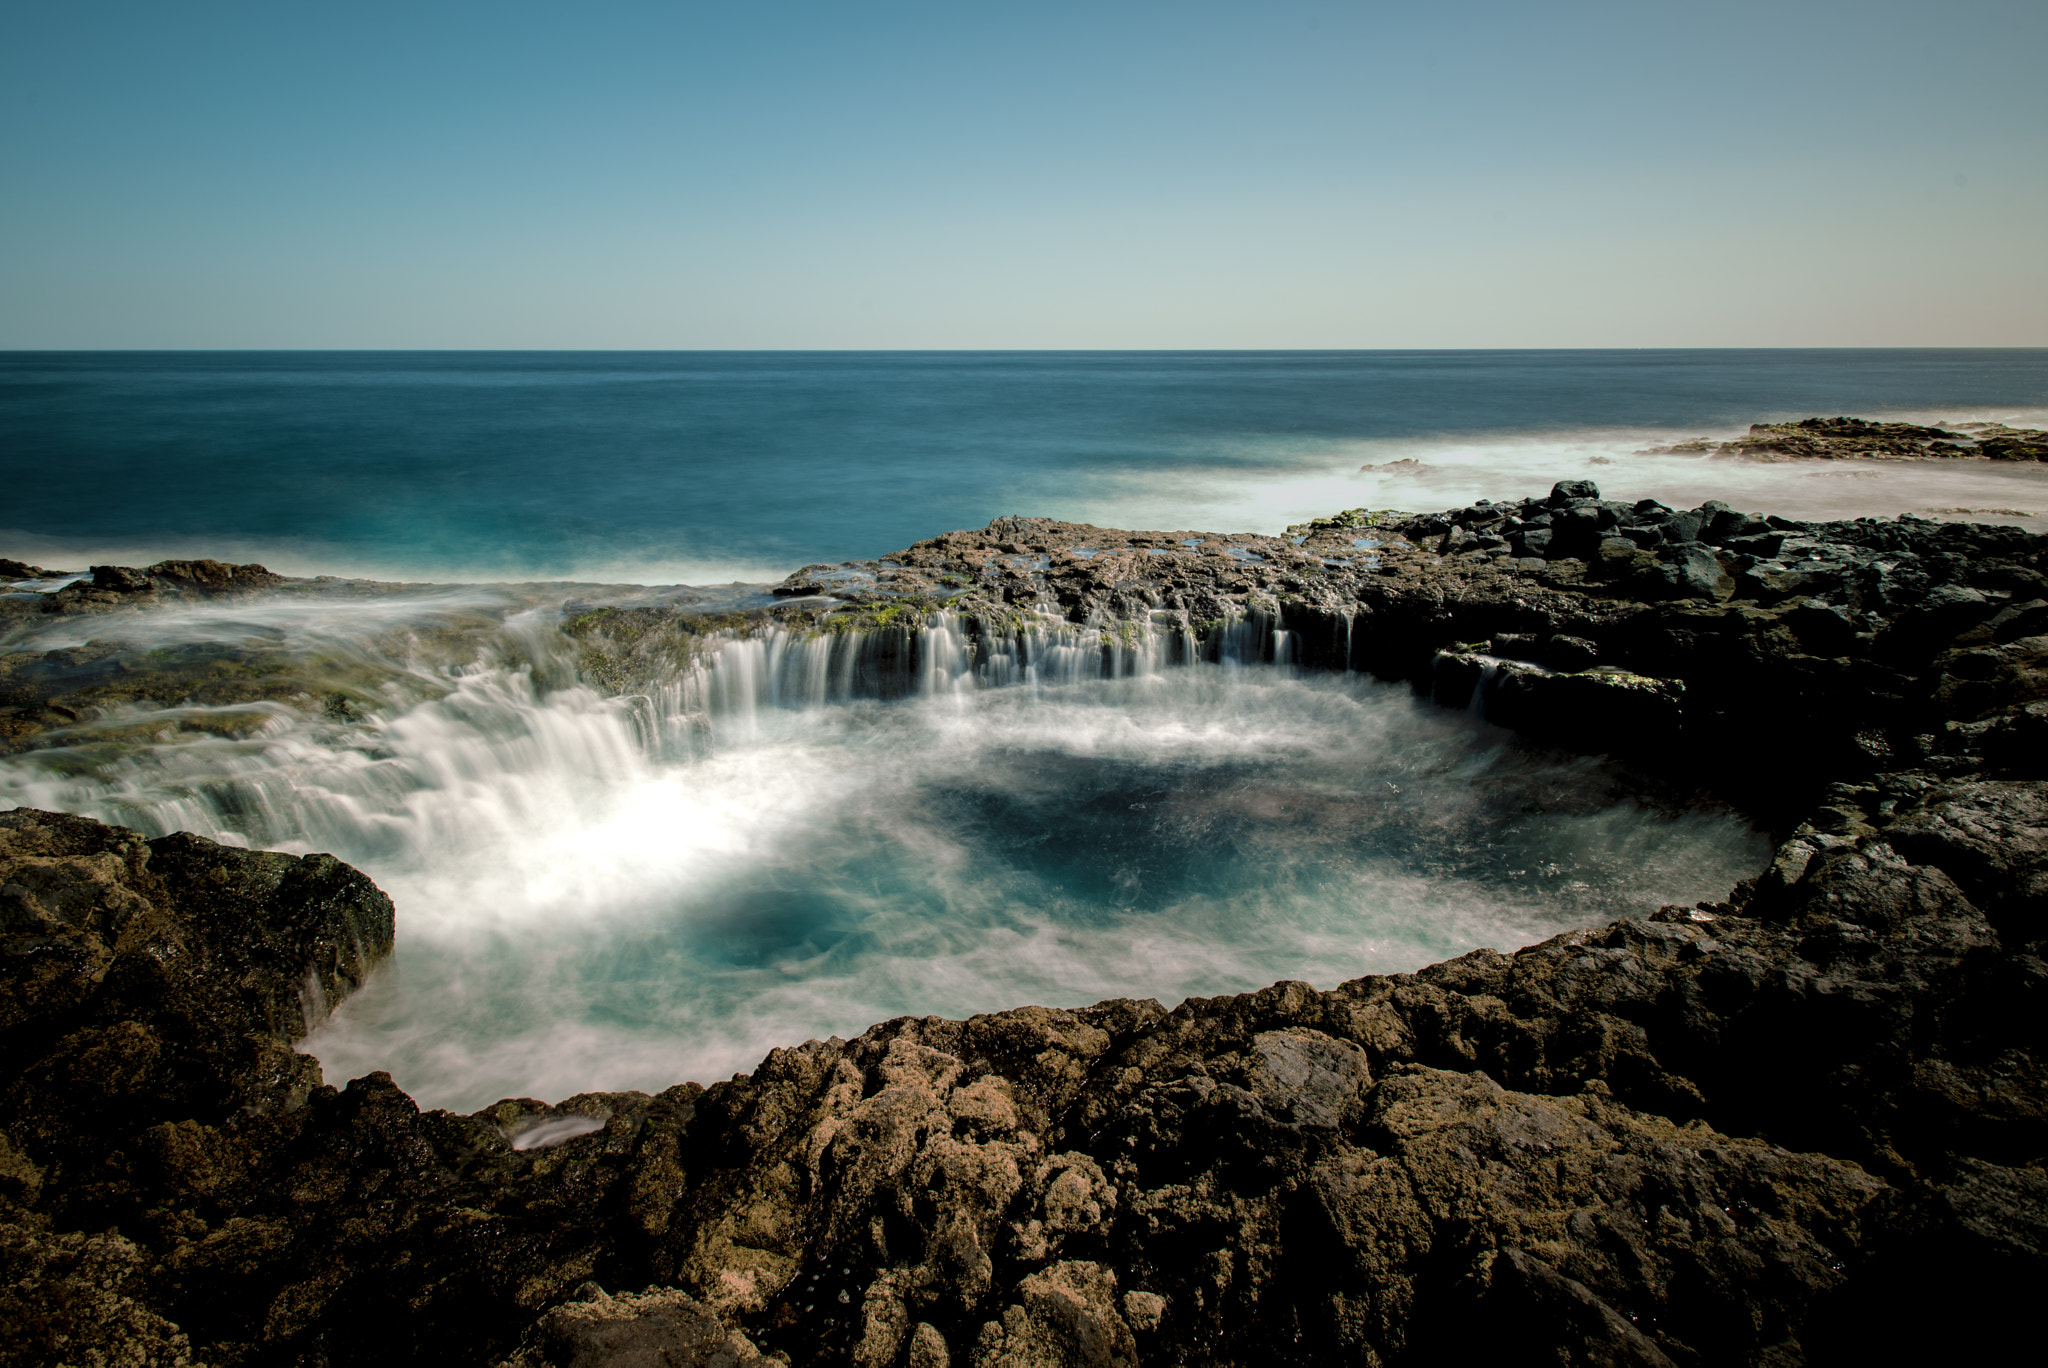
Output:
x=782 y=841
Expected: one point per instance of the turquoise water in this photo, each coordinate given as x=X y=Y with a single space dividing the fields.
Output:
x=696 y=466
x=611 y=893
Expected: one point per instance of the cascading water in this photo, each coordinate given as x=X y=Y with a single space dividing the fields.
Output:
x=798 y=833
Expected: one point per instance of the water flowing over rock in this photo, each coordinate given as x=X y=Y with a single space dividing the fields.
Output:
x=1803 y=1123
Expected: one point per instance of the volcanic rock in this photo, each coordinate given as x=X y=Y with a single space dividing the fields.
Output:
x=1803 y=1124
x=1853 y=438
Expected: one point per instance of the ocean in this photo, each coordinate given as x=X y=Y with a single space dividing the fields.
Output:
x=711 y=467
x=590 y=899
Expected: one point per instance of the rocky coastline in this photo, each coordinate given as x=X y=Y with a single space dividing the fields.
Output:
x=1845 y=439
x=1805 y=1123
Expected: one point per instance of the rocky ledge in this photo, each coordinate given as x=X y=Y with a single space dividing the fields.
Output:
x=1841 y=439
x=1808 y=1123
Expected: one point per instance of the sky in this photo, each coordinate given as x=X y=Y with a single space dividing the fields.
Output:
x=1285 y=174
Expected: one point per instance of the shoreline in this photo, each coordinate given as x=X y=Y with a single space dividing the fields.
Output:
x=1840 y=1058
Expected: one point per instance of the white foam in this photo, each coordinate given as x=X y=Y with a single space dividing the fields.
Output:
x=553 y=1131
x=307 y=557
x=576 y=914
x=1315 y=480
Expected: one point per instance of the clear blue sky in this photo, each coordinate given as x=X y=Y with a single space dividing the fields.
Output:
x=885 y=174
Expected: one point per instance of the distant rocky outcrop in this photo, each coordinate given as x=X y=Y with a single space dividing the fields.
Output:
x=1847 y=438
x=117 y=586
x=1804 y=1124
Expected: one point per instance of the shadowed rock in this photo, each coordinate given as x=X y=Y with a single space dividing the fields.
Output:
x=1803 y=1124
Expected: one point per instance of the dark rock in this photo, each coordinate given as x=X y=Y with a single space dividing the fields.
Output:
x=1941 y=614
x=1992 y=838
x=1801 y=1124
x=1566 y=491
x=1682 y=527
x=1844 y=438
x=1523 y=1302
x=119 y=579
x=1821 y=628
x=1723 y=524
x=151 y=981
x=658 y=1328
x=1570 y=653
x=1975 y=1248
x=1690 y=571
x=2015 y=448
x=1576 y=531
x=1589 y=710
x=119 y=586
x=1518 y=645
x=211 y=578
x=2017 y=620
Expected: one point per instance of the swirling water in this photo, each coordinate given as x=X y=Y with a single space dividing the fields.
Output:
x=602 y=892
x=612 y=892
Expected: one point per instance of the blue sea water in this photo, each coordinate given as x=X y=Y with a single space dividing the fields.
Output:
x=600 y=892
x=705 y=465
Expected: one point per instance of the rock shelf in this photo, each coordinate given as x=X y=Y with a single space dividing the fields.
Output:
x=1842 y=439
x=1806 y=1123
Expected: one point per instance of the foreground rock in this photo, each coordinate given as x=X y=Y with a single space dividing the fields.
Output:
x=1804 y=1124
x=150 y=992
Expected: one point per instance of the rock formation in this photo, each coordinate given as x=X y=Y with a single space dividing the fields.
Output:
x=1848 y=438
x=1807 y=1123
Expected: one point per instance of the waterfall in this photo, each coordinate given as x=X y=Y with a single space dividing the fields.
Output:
x=495 y=741
x=643 y=853
x=1483 y=687
x=737 y=674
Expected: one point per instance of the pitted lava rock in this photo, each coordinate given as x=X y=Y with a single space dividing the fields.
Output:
x=1806 y=1124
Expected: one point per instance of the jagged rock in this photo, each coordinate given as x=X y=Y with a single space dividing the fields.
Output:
x=1064 y=1317
x=146 y=982
x=1370 y=1171
x=119 y=586
x=1849 y=438
x=79 y=1298
x=1842 y=438
x=1801 y=1125
x=1992 y=838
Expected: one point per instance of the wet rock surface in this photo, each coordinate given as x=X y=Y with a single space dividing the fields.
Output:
x=110 y=587
x=1804 y=1124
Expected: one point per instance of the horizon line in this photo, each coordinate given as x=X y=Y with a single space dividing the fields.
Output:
x=991 y=351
